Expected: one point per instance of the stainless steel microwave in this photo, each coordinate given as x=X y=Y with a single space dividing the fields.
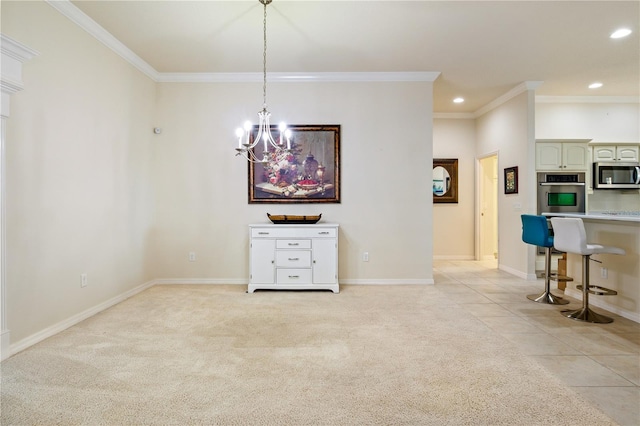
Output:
x=616 y=175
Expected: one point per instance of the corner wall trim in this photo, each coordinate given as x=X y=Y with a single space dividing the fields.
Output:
x=5 y=341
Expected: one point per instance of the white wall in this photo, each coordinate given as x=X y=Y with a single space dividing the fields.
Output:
x=386 y=153
x=508 y=130
x=79 y=195
x=600 y=122
x=453 y=224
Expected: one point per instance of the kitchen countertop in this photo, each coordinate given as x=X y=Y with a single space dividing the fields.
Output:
x=617 y=216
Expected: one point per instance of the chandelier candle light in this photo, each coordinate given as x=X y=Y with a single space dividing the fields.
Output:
x=245 y=145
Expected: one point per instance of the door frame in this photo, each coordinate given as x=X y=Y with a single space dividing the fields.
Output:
x=478 y=204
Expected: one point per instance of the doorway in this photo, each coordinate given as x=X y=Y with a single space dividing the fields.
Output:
x=487 y=208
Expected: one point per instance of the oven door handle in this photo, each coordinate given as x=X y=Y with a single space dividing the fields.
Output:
x=561 y=183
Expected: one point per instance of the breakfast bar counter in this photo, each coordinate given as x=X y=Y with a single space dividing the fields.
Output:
x=619 y=216
x=620 y=273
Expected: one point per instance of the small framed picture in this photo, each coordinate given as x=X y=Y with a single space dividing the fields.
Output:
x=511 y=180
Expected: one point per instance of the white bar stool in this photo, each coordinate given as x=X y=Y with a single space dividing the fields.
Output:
x=571 y=237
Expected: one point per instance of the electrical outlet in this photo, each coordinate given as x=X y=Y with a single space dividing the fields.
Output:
x=365 y=256
x=604 y=272
x=83 y=280
x=192 y=256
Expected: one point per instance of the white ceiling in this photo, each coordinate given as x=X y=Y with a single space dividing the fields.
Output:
x=483 y=49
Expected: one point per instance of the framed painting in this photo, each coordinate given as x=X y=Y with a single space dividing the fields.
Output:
x=305 y=171
x=445 y=180
x=511 y=180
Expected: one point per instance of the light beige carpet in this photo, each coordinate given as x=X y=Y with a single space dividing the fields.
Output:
x=371 y=355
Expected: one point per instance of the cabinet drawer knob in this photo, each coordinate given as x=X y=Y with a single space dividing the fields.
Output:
x=263 y=233
x=294 y=244
x=294 y=258
x=323 y=233
x=294 y=276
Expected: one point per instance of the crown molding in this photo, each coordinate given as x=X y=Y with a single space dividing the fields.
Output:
x=520 y=88
x=14 y=54
x=284 y=77
x=10 y=86
x=587 y=99
x=16 y=50
x=66 y=8
x=455 y=115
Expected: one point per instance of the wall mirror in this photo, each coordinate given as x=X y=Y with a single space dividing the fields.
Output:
x=445 y=180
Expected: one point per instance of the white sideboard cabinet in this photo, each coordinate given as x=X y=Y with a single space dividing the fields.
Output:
x=293 y=257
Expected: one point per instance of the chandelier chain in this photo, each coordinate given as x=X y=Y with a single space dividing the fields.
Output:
x=264 y=58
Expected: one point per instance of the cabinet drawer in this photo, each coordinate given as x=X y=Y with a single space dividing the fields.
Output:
x=291 y=232
x=293 y=276
x=293 y=244
x=293 y=258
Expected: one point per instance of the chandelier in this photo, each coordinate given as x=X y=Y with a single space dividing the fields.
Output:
x=245 y=144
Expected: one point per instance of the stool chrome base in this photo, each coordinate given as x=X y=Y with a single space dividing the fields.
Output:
x=548 y=298
x=587 y=315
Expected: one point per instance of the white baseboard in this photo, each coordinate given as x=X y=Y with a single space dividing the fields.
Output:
x=5 y=349
x=69 y=322
x=207 y=281
x=426 y=281
x=454 y=257
x=230 y=281
x=515 y=272
x=601 y=302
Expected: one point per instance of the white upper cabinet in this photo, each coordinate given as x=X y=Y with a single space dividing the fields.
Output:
x=563 y=156
x=621 y=153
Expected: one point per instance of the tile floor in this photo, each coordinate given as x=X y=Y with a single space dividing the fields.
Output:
x=601 y=362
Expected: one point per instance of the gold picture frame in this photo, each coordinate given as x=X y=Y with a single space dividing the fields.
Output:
x=305 y=170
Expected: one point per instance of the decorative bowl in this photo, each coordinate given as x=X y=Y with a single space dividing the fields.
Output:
x=307 y=184
x=294 y=220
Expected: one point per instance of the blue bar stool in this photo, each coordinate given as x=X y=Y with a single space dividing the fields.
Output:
x=571 y=237
x=535 y=231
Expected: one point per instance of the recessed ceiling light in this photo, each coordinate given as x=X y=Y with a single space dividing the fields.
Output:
x=458 y=100
x=595 y=85
x=622 y=32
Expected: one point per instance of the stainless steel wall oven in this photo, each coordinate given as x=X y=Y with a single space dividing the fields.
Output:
x=561 y=192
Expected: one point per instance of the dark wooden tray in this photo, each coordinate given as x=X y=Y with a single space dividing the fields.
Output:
x=294 y=220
